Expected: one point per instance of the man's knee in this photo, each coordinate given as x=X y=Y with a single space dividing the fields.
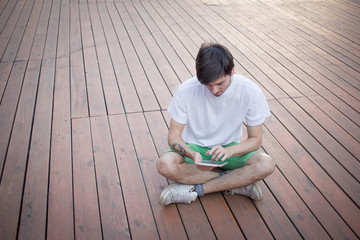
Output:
x=166 y=164
x=264 y=164
x=269 y=164
x=162 y=165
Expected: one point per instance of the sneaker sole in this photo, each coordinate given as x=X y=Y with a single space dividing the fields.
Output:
x=162 y=199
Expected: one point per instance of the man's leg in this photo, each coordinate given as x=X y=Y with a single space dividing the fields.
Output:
x=173 y=166
x=239 y=181
x=257 y=167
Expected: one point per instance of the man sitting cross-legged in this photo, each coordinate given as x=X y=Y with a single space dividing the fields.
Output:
x=207 y=113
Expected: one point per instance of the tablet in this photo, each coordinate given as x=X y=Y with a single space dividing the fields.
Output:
x=211 y=164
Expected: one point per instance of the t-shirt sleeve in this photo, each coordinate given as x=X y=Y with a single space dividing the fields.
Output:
x=258 y=110
x=177 y=108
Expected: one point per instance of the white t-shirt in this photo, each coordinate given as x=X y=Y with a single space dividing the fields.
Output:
x=212 y=120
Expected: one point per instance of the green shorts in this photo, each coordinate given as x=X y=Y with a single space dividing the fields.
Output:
x=233 y=162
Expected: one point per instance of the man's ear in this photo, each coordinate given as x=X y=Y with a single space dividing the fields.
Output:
x=233 y=71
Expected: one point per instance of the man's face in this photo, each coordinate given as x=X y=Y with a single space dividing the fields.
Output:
x=219 y=86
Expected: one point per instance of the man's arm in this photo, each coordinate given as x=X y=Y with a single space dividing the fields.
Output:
x=177 y=143
x=252 y=143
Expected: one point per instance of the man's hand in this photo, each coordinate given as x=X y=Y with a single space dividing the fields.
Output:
x=197 y=158
x=218 y=151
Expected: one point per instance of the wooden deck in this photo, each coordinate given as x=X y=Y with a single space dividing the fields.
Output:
x=84 y=88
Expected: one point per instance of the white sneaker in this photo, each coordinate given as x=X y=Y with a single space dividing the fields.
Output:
x=178 y=193
x=253 y=191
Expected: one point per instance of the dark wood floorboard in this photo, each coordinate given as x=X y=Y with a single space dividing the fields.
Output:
x=84 y=88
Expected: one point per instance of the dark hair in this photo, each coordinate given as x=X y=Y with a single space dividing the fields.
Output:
x=212 y=62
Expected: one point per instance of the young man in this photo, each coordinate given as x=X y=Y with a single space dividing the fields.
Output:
x=207 y=113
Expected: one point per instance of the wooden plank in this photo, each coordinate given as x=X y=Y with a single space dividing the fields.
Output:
x=342 y=146
x=275 y=217
x=167 y=217
x=328 y=162
x=347 y=21
x=145 y=92
x=304 y=220
x=320 y=30
x=166 y=70
x=344 y=8
x=94 y=88
x=323 y=21
x=332 y=82
x=186 y=57
x=158 y=129
x=179 y=20
x=348 y=5
x=320 y=176
x=60 y=202
x=15 y=39
x=307 y=33
x=8 y=106
x=220 y=217
x=248 y=217
x=29 y=35
x=37 y=50
x=111 y=91
x=344 y=108
x=126 y=85
x=172 y=25
x=287 y=47
x=317 y=31
x=193 y=215
x=179 y=67
x=63 y=46
x=3 y=5
x=52 y=31
x=341 y=119
x=79 y=101
x=86 y=203
x=33 y=213
x=195 y=221
x=112 y=210
x=8 y=23
x=141 y=220
x=302 y=182
x=161 y=91
x=337 y=18
x=5 y=69
x=12 y=180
